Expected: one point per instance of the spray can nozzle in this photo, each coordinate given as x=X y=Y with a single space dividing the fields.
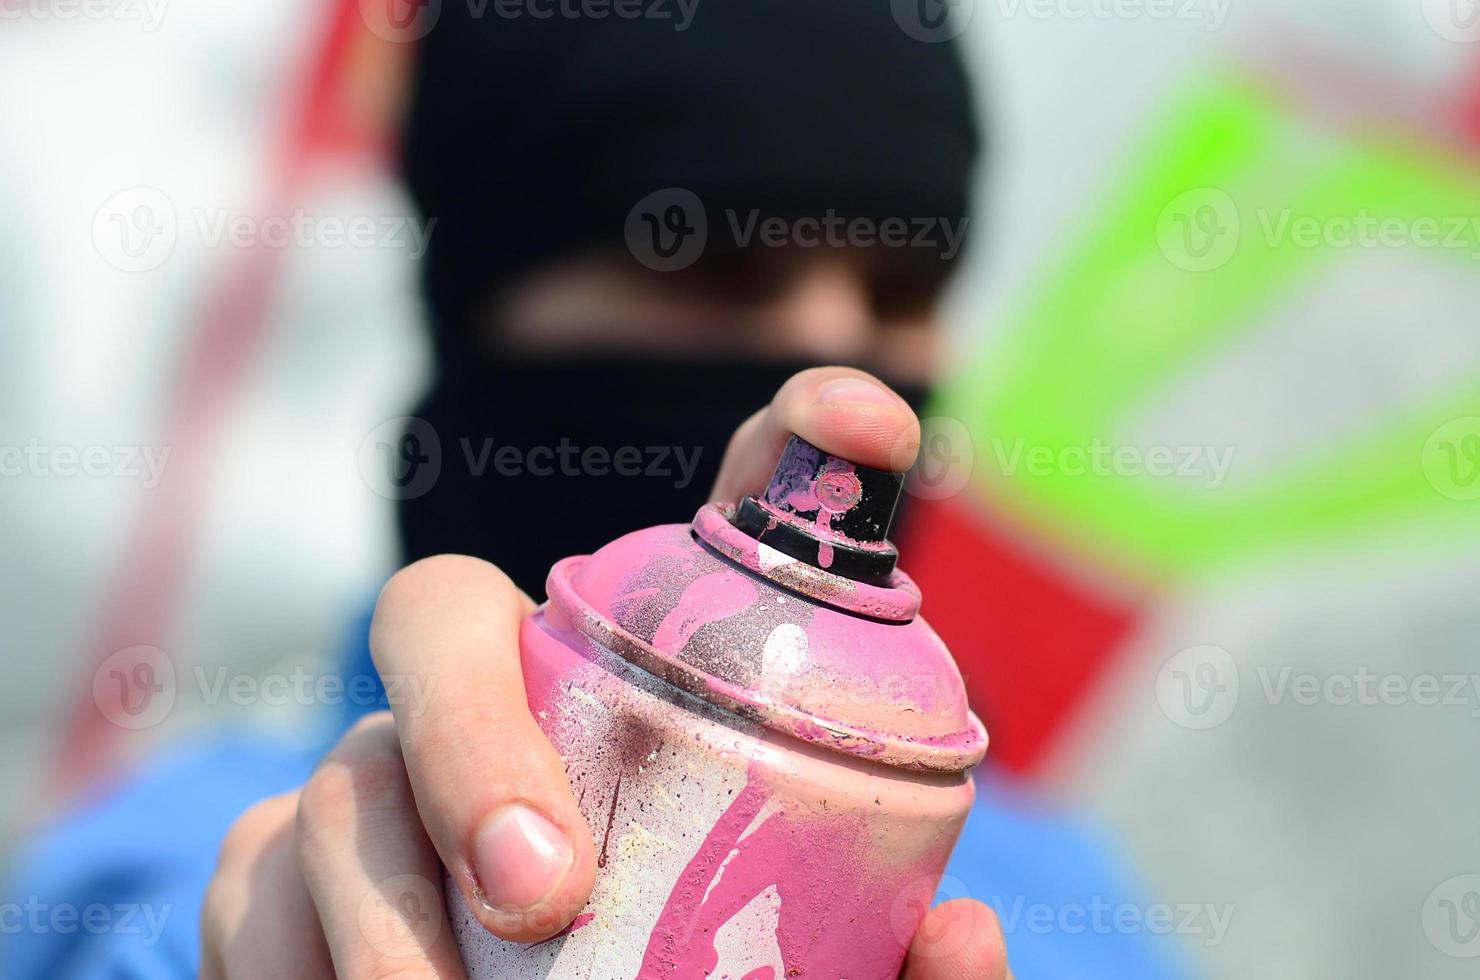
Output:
x=827 y=512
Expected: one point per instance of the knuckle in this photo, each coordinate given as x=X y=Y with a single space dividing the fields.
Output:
x=364 y=773
x=431 y=576
x=250 y=832
x=328 y=799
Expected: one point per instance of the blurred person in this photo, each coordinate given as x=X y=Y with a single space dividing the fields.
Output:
x=763 y=145
x=535 y=143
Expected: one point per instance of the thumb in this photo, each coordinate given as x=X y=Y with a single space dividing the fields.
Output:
x=839 y=410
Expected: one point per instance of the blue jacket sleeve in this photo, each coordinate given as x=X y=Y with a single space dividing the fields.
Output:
x=114 y=891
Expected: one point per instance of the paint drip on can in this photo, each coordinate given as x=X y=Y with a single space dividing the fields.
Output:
x=770 y=745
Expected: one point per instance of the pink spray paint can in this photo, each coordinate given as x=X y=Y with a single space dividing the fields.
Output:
x=770 y=745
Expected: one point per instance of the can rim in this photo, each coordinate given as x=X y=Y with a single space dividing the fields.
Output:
x=951 y=752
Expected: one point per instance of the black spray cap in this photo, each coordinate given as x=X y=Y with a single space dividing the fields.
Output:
x=827 y=512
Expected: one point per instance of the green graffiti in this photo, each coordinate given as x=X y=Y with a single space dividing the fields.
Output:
x=1184 y=261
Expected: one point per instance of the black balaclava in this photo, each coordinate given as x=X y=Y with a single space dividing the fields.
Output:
x=535 y=128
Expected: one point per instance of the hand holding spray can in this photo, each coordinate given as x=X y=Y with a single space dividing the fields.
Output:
x=770 y=745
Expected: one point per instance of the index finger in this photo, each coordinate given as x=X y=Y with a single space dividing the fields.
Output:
x=842 y=411
x=489 y=787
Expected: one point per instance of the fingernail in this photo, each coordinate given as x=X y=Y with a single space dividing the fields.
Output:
x=521 y=858
x=855 y=390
